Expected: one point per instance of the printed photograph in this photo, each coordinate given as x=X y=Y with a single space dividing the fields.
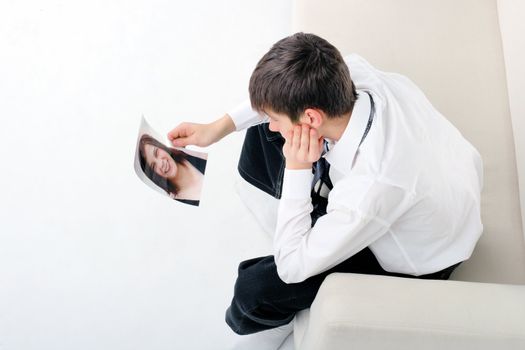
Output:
x=174 y=172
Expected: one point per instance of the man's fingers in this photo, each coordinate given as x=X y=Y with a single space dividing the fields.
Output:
x=179 y=131
x=296 y=137
x=313 y=151
x=301 y=148
x=182 y=135
x=302 y=152
x=181 y=141
x=305 y=140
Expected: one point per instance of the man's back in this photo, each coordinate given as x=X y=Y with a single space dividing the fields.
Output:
x=432 y=174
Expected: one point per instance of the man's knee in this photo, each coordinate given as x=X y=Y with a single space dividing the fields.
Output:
x=235 y=320
x=256 y=280
x=256 y=283
x=243 y=316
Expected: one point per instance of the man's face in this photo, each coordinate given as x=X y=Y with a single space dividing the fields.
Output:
x=280 y=123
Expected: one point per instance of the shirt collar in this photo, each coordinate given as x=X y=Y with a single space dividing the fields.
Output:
x=342 y=154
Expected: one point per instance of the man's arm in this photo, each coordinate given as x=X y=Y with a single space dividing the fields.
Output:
x=360 y=210
x=204 y=135
x=201 y=134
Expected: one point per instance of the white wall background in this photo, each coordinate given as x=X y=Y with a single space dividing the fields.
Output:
x=90 y=258
x=512 y=27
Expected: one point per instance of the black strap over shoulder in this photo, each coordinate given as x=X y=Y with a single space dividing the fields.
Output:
x=370 y=118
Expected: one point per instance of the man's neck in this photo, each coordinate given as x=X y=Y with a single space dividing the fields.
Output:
x=335 y=127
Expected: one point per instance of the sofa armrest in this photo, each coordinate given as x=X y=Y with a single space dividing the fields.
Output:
x=380 y=312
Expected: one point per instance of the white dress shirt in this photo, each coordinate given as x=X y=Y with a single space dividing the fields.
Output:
x=410 y=192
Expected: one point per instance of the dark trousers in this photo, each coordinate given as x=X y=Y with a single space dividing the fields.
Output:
x=261 y=299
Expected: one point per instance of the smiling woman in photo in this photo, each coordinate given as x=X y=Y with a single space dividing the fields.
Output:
x=176 y=172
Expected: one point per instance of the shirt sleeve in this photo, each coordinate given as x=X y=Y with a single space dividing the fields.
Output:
x=244 y=116
x=360 y=210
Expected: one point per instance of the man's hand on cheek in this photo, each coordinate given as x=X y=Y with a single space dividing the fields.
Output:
x=303 y=147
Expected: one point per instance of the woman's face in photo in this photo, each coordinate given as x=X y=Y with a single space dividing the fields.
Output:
x=160 y=161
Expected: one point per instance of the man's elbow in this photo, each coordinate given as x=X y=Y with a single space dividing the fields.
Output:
x=289 y=273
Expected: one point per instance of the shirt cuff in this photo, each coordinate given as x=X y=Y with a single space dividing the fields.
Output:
x=297 y=183
x=244 y=116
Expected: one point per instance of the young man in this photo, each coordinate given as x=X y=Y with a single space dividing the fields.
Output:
x=404 y=185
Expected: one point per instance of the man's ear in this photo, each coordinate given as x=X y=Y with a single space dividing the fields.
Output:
x=312 y=117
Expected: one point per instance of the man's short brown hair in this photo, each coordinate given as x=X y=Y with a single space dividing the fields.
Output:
x=299 y=72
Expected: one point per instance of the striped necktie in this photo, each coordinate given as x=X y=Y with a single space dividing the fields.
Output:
x=321 y=183
x=321 y=186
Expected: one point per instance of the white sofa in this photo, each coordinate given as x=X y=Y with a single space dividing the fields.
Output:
x=452 y=49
